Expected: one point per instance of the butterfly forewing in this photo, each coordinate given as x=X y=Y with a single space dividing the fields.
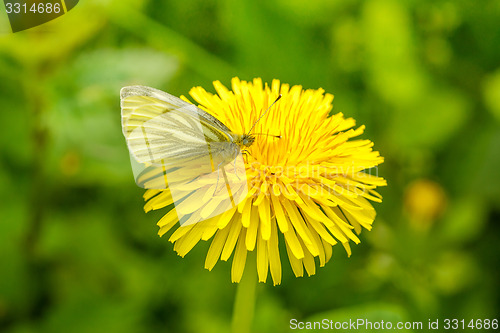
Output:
x=176 y=146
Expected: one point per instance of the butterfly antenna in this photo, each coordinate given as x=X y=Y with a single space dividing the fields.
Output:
x=277 y=99
x=274 y=136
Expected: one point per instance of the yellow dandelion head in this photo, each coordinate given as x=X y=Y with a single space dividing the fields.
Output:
x=307 y=181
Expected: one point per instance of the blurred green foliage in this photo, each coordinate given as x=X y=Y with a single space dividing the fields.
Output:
x=77 y=253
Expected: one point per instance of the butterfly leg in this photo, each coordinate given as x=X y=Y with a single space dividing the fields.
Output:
x=218 y=174
x=246 y=155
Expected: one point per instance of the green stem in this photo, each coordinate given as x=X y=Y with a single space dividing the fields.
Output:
x=244 y=302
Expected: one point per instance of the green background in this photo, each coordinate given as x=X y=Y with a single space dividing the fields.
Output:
x=77 y=252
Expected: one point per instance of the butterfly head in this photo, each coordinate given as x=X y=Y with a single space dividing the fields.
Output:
x=245 y=140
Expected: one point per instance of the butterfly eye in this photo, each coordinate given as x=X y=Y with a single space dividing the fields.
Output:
x=248 y=141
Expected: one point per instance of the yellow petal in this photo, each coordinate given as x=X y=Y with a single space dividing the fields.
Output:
x=245 y=214
x=186 y=243
x=216 y=248
x=180 y=232
x=226 y=217
x=274 y=255
x=309 y=263
x=262 y=259
x=253 y=228
x=347 y=248
x=235 y=228
x=293 y=243
x=280 y=214
x=265 y=218
x=320 y=230
x=328 y=250
x=240 y=257
x=296 y=264
x=300 y=226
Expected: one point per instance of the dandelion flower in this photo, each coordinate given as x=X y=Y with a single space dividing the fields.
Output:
x=308 y=189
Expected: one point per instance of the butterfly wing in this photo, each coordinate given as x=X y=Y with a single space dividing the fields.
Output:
x=176 y=146
x=161 y=128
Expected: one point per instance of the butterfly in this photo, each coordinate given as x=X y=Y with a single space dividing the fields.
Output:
x=178 y=147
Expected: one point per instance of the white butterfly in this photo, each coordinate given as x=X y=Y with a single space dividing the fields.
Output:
x=178 y=147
